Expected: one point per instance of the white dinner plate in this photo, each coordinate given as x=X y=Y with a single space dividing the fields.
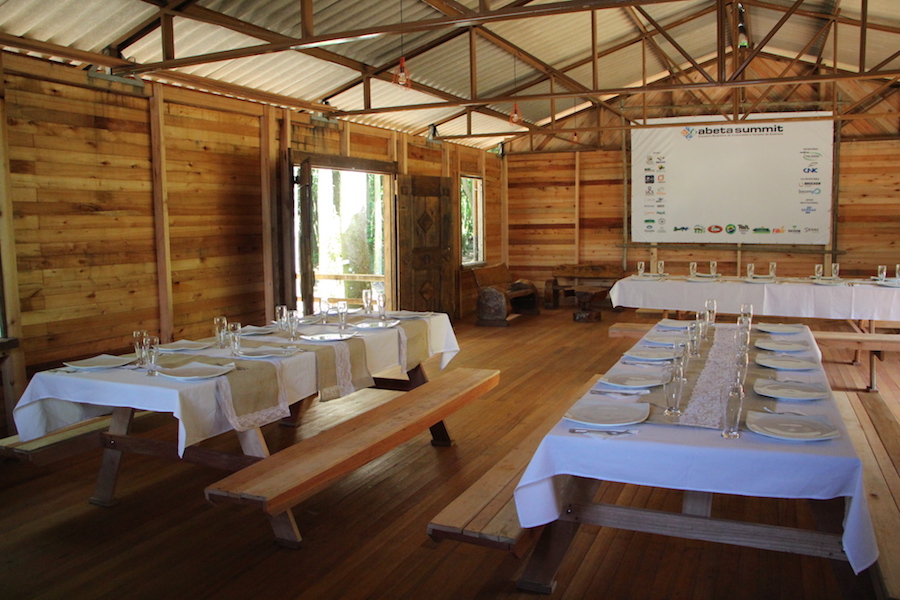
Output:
x=632 y=380
x=184 y=345
x=265 y=352
x=409 y=314
x=673 y=324
x=645 y=353
x=789 y=390
x=784 y=362
x=665 y=339
x=891 y=283
x=707 y=275
x=379 y=324
x=254 y=330
x=828 y=281
x=607 y=414
x=103 y=361
x=780 y=328
x=327 y=337
x=701 y=279
x=196 y=371
x=759 y=280
x=781 y=345
x=796 y=428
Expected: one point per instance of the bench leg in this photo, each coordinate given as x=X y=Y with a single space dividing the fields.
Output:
x=283 y=525
x=551 y=549
x=439 y=435
x=104 y=491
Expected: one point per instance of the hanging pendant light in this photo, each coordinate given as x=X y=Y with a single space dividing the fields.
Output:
x=515 y=117
x=402 y=76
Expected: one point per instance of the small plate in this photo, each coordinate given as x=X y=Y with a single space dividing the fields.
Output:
x=184 y=345
x=784 y=362
x=707 y=275
x=608 y=414
x=780 y=328
x=781 y=345
x=828 y=281
x=792 y=427
x=254 y=330
x=103 y=361
x=196 y=371
x=759 y=280
x=377 y=324
x=673 y=324
x=409 y=314
x=701 y=279
x=644 y=353
x=665 y=339
x=789 y=390
x=889 y=283
x=327 y=337
x=632 y=380
x=646 y=277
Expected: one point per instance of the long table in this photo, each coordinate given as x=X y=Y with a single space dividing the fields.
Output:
x=567 y=468
x=854 y=299
x=57 y=398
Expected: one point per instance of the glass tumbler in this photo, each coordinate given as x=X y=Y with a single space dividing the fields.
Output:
x=382 y=305
x=221 y=327
x=836 y=270
x=882 y=272
x=710 y=306
x=342 y=314
x=660 y=267
x=367 y=301
x=819 y=270
x=772 y=267
x=751 y=270
x=138 y=340
x=673 y=390
x=234 y=336
x=151 y=353
x=640 y=268
x=713 y=266
x=693 y=269
x=732 y=420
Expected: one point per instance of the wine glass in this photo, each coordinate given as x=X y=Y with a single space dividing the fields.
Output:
x=713 y=265
x=772 y=267
x=640 y=268
x=819 y=270
x=751 y=270
x=836 y=270
x=693 y=269
x=660 y=267
x=151 y=353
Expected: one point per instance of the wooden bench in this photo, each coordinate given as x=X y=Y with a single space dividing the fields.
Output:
x=61 y=443
x=279 y=482
x=500 y=297
x=875 y=432
x=588 y=282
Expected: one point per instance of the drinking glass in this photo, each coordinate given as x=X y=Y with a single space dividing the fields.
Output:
x=324 y=307
x=660 y=267
x=151 y=353
x=220 y=325
x=710 y=306
x=713 y=265
x=742 y=339
x=819 y=271
x=835 y=270
x=693 y=269
x=746 y=310
x=382 y=304
x=730 y=428
x=673 y=390
x=234 y=336
x=640 y=268
x=702 y=320
x=342 y=314
x=281 y=317
x=367 y=301
x=897 y=271
x=742 y=363
x=882 y=272
x=772 y=267
x=295 y=319
x=751 y=270
x=138 y=340
x=694 y=339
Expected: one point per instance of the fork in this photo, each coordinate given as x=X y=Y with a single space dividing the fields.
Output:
x=785 y=412
x=609 y=432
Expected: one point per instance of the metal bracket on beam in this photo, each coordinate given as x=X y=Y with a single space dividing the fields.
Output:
x=97 y=73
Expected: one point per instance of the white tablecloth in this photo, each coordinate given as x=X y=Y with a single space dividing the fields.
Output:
x=690 y=458
x=786 y=298
x=57 y=399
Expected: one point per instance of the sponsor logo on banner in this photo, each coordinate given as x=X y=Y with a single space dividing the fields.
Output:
x=810 y=230
x=662 y=221
x=714 y=229
x=778 y=229
x=743 y=228
x=813 y=191
x=649 y=179
x=681 y=229
x=811 y=170
x=761 y=230
x=794 y=229
x=699 y=229
x=807 y=210
x=688 y=132
x=811 y=155
x=730 y=229
x=649 y=191
x=649 y=220
x=660 y=178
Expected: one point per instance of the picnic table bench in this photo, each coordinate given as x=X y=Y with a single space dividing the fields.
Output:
x=588 y=283
x=279 y=482
x=500 y=297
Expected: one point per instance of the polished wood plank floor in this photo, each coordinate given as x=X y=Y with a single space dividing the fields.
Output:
x=365 y=536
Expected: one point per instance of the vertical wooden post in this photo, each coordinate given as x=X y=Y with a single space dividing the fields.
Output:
x=577 y=253
x=14 y=362
x=268 y=159
x=287 y=280
x=345 y=138
x=504 y=210
x=161 y=212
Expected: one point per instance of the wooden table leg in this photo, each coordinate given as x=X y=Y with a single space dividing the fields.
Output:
x=540 y=572
x=284 y=525
x=104 y=491
x=697 y=503
x=873 y=384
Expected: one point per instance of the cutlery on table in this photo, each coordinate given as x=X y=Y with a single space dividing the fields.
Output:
x=609 y=432
x=784 y=412
x=620 y=393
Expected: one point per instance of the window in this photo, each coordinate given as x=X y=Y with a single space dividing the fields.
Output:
x=471 y=210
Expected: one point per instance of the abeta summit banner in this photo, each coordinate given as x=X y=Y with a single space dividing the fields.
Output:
x=744 y=182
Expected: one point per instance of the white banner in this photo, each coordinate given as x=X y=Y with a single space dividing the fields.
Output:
x=744 y=182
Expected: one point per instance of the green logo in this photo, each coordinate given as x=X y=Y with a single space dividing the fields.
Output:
x=730 y=228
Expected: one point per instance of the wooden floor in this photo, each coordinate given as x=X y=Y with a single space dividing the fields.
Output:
x=365 y=536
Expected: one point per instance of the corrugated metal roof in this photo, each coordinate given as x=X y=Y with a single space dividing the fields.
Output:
x=560 y=43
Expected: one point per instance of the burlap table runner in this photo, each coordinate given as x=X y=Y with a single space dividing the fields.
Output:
x=255 y=394
x=341 y=367
x=708 y=383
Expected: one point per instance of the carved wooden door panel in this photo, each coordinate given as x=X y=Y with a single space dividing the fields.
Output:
x=425 y=228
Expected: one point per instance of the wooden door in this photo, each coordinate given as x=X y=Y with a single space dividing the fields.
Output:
x=426 y=265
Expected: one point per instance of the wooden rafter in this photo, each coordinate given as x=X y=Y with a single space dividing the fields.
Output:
x=759 y=47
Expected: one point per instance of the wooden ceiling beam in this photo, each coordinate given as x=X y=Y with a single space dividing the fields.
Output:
x=675 y=44
x=147 y=26
x=842 y=20
x=757 y=48
x=502 y=14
